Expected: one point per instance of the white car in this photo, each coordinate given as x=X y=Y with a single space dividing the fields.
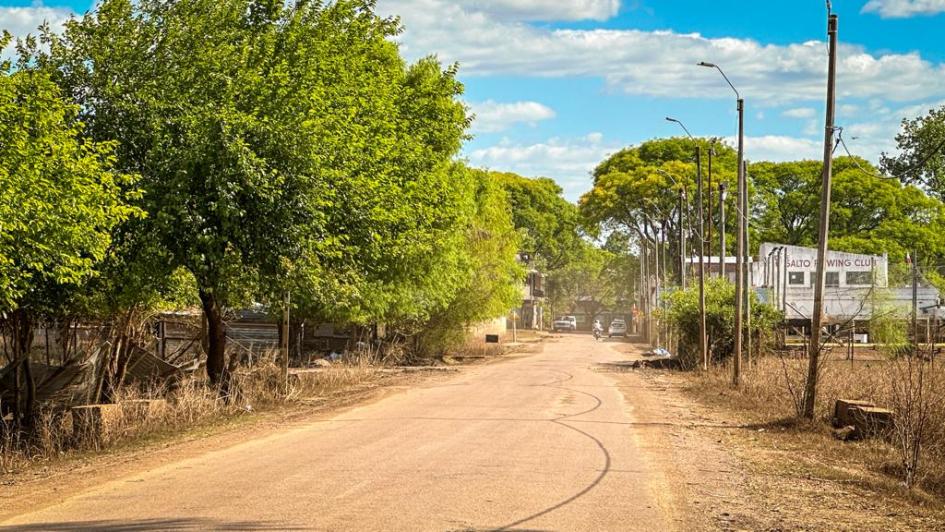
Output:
x=564 y=323
x=617 y=328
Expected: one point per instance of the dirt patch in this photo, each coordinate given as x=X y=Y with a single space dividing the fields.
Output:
x=798 y=477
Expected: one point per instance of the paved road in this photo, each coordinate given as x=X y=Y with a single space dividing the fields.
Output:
x=544 y=441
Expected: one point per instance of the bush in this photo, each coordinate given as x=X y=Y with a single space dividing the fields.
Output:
x=683 y=316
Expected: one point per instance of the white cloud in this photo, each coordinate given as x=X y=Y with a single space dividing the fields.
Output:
x=23 y=20
x=800 y=112
x=657 y=63
x=779 y=148
x=547 y=10
x=904 y=8
x=494 y=116
x=568 y=161
x=868 y=138
x=20 y=21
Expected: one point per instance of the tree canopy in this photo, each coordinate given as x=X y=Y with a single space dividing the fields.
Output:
x=869 y=213
x=921 y=152
x=59 y=197
x=274 y=142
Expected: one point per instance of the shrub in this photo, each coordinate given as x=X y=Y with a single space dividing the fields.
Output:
x=683 y=316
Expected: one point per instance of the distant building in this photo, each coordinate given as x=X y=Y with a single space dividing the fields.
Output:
x=531 y=313
x=784 y=276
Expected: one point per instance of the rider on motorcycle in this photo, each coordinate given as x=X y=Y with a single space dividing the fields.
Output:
x=598 y=329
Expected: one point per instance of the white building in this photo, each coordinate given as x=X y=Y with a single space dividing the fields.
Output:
x=784 y=275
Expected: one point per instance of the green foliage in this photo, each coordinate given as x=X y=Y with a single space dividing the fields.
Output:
x=887 y=327
x=683 y=315
x=632 y=191
x=595 y=280
x=921 y=157
x=869 y=214
x=59 y=198
x=549 y=224
x=280 y=147
x=487 y=276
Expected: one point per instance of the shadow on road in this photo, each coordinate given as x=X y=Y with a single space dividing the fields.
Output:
x=155 y=524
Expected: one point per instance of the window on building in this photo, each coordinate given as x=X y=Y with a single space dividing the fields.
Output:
x=859 y=278
x=833 y=279
x=796 y=278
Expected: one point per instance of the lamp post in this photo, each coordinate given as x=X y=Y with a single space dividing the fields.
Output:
x=723 y=195
x=703 y=337
x=742 y=211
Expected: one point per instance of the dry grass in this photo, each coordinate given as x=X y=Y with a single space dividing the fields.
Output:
x=767 y=400
x=189 y=404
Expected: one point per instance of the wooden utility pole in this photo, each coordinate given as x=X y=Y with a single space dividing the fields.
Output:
x=514 y=328
x=810 y=390
x=703 y=340
x=739 y=251
x=708 y=236
x=645 y=288
x=682 y=237
x=747 y=264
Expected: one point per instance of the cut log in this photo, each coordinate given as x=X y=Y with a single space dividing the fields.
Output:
x=841 y=411
x=872 y=421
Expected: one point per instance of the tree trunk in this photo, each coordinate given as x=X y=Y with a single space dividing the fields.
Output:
x=216 y=341
x=21 y=332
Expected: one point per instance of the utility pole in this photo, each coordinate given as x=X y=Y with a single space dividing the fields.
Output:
x=739 y=250
x=644 y=291
x=708 y=236
x=643 y=315
x=514 y=328
x=784 y=284
x=703 y=340
x=722 y=194
x=682 y=237
x=660 y=274
x=749 y=288
x=810 y=389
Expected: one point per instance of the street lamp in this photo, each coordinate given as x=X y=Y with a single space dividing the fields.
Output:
x=703 y=337
x=671 y=119
x=723 y=195
x=741 y=291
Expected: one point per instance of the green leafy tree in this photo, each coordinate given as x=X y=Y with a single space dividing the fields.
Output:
x=633 y=192
x=921 y=152
x=549 y=224
x=869 y=213
x=487 y=272
x=59 y=202
x=279 y=146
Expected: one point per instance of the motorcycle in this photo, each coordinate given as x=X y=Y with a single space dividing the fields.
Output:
x=597 y=333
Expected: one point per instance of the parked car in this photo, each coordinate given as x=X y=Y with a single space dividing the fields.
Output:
x=564 y=323
x=618 y=327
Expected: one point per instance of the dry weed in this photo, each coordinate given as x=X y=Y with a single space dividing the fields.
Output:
x=770 y=390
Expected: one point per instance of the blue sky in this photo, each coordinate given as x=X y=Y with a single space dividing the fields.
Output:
x=558 y=84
